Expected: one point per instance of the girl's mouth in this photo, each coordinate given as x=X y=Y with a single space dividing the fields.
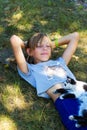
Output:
x=45 y=53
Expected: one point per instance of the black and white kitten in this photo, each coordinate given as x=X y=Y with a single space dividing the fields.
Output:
x=76 y=89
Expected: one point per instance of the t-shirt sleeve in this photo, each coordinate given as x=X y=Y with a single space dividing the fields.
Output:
x=61 y=60
x=29 y=77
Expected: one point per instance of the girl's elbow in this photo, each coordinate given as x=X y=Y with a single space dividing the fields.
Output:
x=76 y=36
x=12 y=39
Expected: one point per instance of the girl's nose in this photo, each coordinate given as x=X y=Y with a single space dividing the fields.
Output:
x=45 y=47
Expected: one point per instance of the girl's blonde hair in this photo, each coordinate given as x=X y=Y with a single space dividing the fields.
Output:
x=32 y=43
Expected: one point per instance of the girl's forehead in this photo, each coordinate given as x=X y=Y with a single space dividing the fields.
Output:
x=45 y=40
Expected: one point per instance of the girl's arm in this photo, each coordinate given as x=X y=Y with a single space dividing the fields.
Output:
x=71 y=40
x=17 y=45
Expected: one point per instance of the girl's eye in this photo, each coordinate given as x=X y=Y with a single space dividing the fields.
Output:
x=39 y=46
x=48 y=46
x=43 y=46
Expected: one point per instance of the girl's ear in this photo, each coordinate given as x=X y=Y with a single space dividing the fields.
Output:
x=29 y=52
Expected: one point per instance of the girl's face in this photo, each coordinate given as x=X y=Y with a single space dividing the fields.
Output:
x=42 y=52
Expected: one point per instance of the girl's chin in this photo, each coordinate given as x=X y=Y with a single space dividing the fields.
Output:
x=45 y=60
x=41 y=61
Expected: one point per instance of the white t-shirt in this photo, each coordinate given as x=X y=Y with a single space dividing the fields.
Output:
x=44 y=75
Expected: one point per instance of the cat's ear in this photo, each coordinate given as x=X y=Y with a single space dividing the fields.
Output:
x=71 y=81
x=85 y=87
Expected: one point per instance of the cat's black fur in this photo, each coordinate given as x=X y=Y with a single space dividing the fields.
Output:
x=76 y=89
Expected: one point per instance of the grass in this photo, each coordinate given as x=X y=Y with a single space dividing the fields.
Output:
x=20 y=108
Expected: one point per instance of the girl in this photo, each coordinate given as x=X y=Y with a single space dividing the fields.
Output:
x=43 y=73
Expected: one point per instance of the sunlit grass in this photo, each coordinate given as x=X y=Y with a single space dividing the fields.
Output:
x=83 y=33
x=83 y=44
x=1 y=29
x=75 y=25
x=12 y=98
x=6 y=123
x=43 y=22
x=17 y=16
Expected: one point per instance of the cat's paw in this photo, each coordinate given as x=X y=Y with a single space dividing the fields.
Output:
x=77 y=125
x=61 y=97
x=71 y=117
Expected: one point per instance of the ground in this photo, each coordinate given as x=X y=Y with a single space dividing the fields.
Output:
x=20 y=108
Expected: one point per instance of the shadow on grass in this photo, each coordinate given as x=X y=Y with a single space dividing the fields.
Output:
x=21 y=109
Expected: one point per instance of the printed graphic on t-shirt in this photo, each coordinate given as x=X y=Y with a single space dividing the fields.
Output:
x=51 y=71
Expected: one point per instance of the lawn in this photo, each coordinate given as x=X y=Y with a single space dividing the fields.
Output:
x=20 y=108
